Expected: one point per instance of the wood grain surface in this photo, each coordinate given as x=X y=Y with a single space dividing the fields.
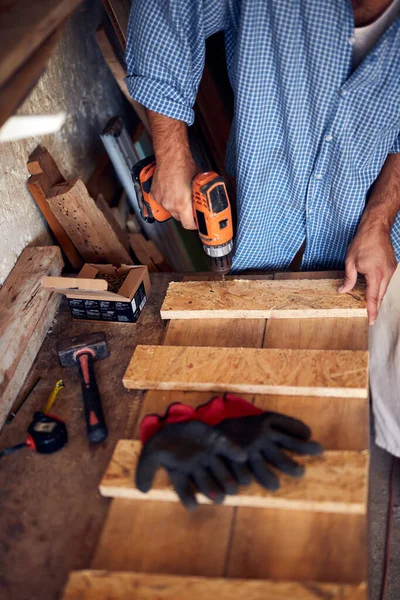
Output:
x=86 y=225
x=317 y=334
x=44 y=175
x=332 y=373
x=25 y=26
x=205 y=533
x=298 y=546
x=163 y=537
x=103 y=585
x=26 y=313
x=243 y=299
x=333 y=482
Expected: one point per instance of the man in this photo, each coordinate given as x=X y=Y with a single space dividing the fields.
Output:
x=315 y=139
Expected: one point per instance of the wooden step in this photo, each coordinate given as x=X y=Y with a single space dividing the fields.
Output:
x=333 y=482
x=334 y=373
x=255 y=299
x=104 y=585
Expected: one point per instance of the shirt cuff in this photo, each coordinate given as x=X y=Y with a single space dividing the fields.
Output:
x=159 y=97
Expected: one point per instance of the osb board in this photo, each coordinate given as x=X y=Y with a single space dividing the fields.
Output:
x=252 y=299
x=331 y=373
x=103 y=585
x=333 y=482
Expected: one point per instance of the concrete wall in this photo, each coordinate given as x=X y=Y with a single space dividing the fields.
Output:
x=79 y=82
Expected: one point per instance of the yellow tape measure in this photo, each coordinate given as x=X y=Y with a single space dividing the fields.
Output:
x=52 y=398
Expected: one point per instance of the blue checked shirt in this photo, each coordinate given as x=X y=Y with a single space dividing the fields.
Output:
x=309 y=135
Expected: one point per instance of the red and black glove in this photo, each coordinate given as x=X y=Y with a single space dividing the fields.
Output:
x=192 y=453
x=262 y=436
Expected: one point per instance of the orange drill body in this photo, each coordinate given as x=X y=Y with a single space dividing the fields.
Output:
x=142 y=175
x=211 y=211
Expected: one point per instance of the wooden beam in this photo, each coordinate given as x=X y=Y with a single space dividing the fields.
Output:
x=331 y=373
x=103 y=585
x=44 y=175
x=16 y=89
x=123 y=236
x=254 y=299
x=333 y=482
x=26 y=313
x=86 y=225
x=23 y=28
x=137 y=243
x=118 y=13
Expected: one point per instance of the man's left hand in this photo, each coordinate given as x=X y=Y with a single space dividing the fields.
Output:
x=371 y=254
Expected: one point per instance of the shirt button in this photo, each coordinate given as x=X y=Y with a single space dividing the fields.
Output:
x=342 y=92
x=318 y=176
x=351 y=40
x=328 y=138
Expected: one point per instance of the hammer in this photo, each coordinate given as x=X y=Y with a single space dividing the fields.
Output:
x=83 y=350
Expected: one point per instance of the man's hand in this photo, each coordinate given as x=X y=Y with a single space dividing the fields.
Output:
x=371 y=254
x=175 y=168
x=171 y=188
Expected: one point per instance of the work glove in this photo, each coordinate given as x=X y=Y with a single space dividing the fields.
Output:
x=192 y=453
x=264 y=438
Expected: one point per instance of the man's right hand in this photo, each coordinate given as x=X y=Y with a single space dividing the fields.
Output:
x=175 y=168
x=172 y=189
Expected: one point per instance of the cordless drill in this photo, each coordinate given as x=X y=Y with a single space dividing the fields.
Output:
x=211 y=211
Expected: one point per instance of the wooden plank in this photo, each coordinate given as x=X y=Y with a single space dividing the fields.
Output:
x=207 y=332
x=302 y=546
x=136 y=241
x=119 y=71
x=24 y=26
x=26 y=313
x=118 y=13
x=333 y=373
x=85 y=224
x=16 y=89
x=318 y=334
x=106 y=210
x=44 y=175
x=176 y=541
x=102 y=585
x=243 y=299
x=334 y=482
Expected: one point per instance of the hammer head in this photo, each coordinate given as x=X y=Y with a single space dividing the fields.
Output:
x=96 y=343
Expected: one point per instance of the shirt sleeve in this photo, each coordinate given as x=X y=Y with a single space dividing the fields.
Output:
x=395 y=149
x=165 y=52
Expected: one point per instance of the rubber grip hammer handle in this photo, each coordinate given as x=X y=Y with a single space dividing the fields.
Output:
x=95 y=423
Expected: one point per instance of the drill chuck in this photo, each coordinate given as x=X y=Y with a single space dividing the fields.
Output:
x=218 y=251
x=220 y=257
